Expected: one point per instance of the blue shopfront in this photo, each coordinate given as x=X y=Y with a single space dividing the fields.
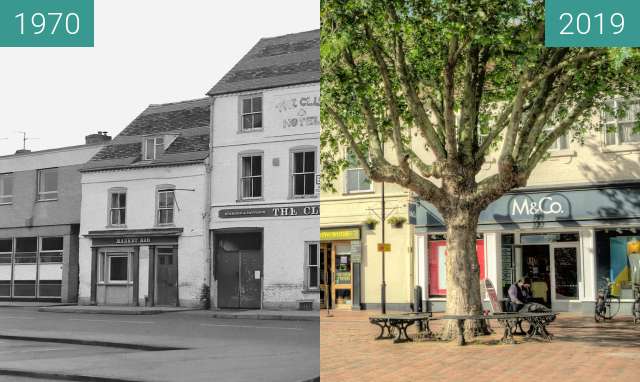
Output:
x=565 y=240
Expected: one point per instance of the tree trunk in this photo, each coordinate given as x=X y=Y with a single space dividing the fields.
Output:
x=463 y=273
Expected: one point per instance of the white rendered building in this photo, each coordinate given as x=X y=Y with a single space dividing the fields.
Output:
x=265 y=176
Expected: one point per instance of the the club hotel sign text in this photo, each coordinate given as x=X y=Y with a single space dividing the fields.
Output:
x=274 y=212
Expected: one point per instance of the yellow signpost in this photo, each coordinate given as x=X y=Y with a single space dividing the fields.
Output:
x=386 y=247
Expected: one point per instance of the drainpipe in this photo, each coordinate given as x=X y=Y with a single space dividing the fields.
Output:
x=207 y=205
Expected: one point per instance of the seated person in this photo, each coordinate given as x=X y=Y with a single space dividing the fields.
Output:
x=516 y=296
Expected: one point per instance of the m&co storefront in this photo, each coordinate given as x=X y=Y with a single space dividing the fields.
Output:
x=564 y=240
x=340 y=259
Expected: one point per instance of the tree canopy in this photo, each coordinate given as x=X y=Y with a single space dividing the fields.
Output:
x=472 y=78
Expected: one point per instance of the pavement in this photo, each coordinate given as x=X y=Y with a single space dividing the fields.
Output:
x=97 y=347
x=581 y=350
x=286 y=315
x=261 y=314
x=122 y=310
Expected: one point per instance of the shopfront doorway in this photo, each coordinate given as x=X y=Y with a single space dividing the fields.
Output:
x=552 y=270
x=239 y=270
x=341 y=267
x=326 y=276
x=166 y=277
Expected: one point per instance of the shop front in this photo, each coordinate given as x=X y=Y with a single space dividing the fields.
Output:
x=563 y=241
x=135 y=267
x=340 y=259
x=39 y=264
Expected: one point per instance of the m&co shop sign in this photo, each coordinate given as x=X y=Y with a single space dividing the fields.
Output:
x=340 y=234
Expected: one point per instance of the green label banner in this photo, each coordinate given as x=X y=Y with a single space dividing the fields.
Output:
x=46 y=23
x=592 y=23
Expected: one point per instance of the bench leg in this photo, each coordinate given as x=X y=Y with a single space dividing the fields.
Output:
x=507 y=337
x=383 y=325
x=401 y=335
x=461 y=341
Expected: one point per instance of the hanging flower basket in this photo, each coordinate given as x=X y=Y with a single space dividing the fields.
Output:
x=371 y=223
x=397 y=221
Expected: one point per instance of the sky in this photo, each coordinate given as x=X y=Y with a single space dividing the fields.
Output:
x=146 y=52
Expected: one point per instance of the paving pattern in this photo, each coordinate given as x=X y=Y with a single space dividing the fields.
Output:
x=582 y=350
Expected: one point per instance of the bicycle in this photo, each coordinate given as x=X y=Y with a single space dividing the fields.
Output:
x=636 y=304
x=607 y=305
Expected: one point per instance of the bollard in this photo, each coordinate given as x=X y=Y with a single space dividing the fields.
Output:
x=417 y=304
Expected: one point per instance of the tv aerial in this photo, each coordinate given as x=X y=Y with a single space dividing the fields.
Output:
x=25 y=139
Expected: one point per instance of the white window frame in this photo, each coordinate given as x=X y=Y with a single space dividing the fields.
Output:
x=112 y=192
x=157 y=147
x=615 y=124
x=555 y=147
x=159 y=209
x=360 y=171
x=46 y=195
x=6 y=198
x=308 y=268
x=242 y=177
x=293 y=174
x=251 y=113
x=111 y=256
x=60 y=251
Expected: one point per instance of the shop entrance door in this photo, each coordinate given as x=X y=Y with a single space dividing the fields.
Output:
x=536 y=268
x=565 y=277
x=239 y=271
x=326 y=276
x=166 y=277
x=341 y=267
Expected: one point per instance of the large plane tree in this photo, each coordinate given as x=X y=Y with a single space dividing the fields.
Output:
x=472 y=80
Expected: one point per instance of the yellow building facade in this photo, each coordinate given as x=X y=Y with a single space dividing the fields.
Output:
x=350 y=260
x=565 y=231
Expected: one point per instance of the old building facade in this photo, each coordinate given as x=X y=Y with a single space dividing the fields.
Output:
x=265 y=158
x=40 y=197
x=144 y=230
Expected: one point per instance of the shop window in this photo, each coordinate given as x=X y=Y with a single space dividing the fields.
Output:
x=619 y=120
x=48 y=184
x=343 y=264
x=51 y=249
x=251 y=113
x=117 y=207
x=49 y=288
x=303 y=172
x=24 y=288
x=153 y=147
x=166 y=201
x=312 y=266
x=251 y=177
x=5 y=288
x=356 y=178
x=6 y=248
x=437 y=268
x=618 y=258
x=6 y=188
x=118 y=267
x=26 y=250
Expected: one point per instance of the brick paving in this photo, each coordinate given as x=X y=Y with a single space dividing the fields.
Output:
x=582 y=350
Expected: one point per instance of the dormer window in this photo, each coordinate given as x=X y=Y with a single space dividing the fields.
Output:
x=153 y=147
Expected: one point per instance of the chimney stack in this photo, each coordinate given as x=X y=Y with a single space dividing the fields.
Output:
x=100 y=137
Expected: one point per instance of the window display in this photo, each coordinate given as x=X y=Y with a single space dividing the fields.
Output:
x=437 y=268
